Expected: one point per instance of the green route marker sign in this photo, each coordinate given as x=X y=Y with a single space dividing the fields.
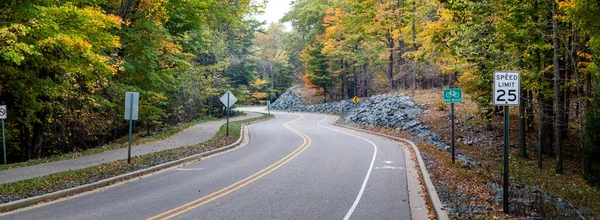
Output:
x=453 y=95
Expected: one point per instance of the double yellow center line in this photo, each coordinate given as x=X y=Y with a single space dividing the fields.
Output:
x=233 y=187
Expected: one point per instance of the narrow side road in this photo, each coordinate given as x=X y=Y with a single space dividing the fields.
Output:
x=193 y=135
x=296 y=166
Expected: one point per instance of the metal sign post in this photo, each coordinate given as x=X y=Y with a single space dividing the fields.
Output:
x=227 y=109
x=451 y=96
x=269 y=106
x=2 y=117
x=506 y=93
x=228 y=99
x=131 y=113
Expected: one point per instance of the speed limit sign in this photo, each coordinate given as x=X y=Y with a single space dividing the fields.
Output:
x=507 y=86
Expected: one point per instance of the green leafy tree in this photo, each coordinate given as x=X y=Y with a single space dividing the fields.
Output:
x=316 y=69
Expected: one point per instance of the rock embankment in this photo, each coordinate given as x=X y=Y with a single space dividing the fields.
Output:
x=387 y=110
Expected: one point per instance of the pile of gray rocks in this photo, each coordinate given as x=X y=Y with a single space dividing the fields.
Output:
x=387 y=110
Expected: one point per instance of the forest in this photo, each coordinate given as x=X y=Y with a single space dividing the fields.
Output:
x=66 y=65
x=356 y=47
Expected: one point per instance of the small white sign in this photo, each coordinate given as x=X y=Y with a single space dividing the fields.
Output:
x=131 y=100
x=2 y=111
x=507 y=86
x=230 y=96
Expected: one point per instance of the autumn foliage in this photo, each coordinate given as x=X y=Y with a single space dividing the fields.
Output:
x=66 y=65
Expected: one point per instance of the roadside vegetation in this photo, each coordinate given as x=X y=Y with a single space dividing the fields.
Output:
x=65 y=67
x=137 y=138
x=486 y=147
x=361 y=48
x=73 y=178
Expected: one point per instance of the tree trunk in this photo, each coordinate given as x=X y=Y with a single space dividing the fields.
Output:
x=348 y=88
x=564 y=97
x=557 y=83
x=529 y=109
x=355 y=79
x=549 y=126
x=128 y=7
x=24 y=135
x=366 y=86
x=210 y=98
x=38 y=137
x=575 y=60
x=566 y=101
x=391 y=59
x=522 y=139
x=342 y=78
x=544 y=129
x=414 y=39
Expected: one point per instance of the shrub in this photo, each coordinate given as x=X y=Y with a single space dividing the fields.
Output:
x=441 y=106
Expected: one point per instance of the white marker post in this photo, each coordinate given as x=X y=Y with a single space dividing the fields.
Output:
x=3 y=116
x=269 y=106
x=131 y=113
x=228 y=99
x=507 y=87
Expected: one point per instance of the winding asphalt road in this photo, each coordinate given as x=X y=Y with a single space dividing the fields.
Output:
x=296 y=166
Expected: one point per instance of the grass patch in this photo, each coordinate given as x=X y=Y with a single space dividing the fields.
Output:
x=136 y=139
x=73 y=178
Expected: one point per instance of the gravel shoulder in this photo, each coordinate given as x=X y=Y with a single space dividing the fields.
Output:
x=194 y=135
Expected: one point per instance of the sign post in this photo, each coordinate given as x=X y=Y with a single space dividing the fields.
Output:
x=451 y=96
x=131 y=113
x=506 y=93
x=269 y=106
x=2 y=117
x=228 y=99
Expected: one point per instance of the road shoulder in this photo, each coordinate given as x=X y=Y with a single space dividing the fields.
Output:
x=418 y=199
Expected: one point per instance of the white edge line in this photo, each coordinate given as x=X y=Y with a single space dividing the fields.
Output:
x=364 y=185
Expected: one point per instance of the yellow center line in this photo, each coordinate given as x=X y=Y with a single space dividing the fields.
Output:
x=237 y=185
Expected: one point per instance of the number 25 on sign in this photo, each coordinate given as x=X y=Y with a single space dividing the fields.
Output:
x=506 y=88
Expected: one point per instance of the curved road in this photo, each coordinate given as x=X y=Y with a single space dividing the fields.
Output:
x=296 y=166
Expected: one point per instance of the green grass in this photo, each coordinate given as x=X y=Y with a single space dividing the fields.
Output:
x=137 y=139
x=72 y=178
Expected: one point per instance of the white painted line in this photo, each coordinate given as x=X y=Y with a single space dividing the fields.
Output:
x=364 y=185
x=185 y=169
x=388 y=168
